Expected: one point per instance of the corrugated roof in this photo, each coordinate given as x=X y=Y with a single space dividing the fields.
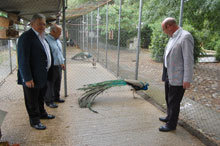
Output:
x=26 y=8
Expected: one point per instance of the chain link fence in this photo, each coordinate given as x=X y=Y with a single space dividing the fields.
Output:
x=94 y=40
x=97 y=34
x=7 y=58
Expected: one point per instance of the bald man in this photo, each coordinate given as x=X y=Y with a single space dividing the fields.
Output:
x=177 y=70
x=54 y=82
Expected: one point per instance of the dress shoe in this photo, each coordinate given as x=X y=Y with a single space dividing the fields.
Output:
x=166 y=128
x=52 y=105
x=59 y=100
x=39 y=126
x=48 y=116
x=163 y=119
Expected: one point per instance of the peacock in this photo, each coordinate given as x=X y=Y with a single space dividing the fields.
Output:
x=91 y=91
x=82 y=56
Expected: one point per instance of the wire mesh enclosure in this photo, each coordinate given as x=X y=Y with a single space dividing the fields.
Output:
x=97 y=33
x=104 y=36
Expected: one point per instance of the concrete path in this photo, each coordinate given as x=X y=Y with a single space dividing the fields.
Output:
x=121 y=121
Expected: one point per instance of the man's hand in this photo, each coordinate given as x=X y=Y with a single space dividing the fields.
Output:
x=186 y=85
x=63 y=66
x=30 y=84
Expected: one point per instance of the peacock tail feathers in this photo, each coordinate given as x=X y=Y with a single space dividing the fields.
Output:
x=91 y=91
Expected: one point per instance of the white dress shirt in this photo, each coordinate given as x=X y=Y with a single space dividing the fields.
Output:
x=46 y=47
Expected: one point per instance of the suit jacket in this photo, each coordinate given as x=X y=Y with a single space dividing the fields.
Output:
x=32 y=60
x=180 y=60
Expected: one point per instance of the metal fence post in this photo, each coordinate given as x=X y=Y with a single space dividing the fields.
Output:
x=10 y=59
x=91 y=31
x=76 y=27
x=64 y=47
x=79 y=29
x=83 y=33
x=119 y=35
x=181 y=13
x=106 y=37
x=97 y=19
x=87 y=32
x=139 y=37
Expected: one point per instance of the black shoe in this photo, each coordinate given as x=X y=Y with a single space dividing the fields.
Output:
x=52 y=105
x=59 y=100
x=48 y=116
x=163 y=119
x=166 y=128
x=39 y=126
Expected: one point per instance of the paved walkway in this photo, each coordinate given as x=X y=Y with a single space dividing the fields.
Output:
x=122 y=120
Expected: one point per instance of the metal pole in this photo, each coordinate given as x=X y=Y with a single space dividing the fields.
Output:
x=83 y=33
x=80 y=30
x=106 y=37
x=87 y=31
x=119 y=35
x=91 y=32
x=181 y=13
x=139 y=37
x=98 y=18
x=10 y=59
x=64 y=48
x=76 y=28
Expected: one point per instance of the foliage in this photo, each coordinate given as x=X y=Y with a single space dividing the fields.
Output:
x=129 y=22
x=146 y=33
x=157 y=10
x=158 y=42
x=197 y=41
x=201 y=18
x=204 y=16
x=217 y=49
x=3 y=14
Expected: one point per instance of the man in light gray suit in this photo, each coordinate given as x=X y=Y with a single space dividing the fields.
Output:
x=177 y=70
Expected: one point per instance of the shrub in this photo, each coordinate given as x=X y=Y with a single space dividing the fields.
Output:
x=217 y=49
x=146 y=33
x=158 y=42
x=197 y=41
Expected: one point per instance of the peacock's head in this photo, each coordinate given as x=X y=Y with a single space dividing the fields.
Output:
x=145 y=87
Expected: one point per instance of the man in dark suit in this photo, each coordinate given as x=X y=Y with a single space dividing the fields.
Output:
x=177 y=70
x=34 y=61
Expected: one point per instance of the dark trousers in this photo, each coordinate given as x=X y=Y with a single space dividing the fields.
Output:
x=34 y=103
x=173 y=95
x=53 y=86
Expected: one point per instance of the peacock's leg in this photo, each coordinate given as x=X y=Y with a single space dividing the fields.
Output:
x=134 y=91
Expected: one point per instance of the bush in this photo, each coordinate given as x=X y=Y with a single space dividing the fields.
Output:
x=146 y=33
x=125 y=36
x=158 y=42
x=208 y=39
x=217 y=49
x=197 y=41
